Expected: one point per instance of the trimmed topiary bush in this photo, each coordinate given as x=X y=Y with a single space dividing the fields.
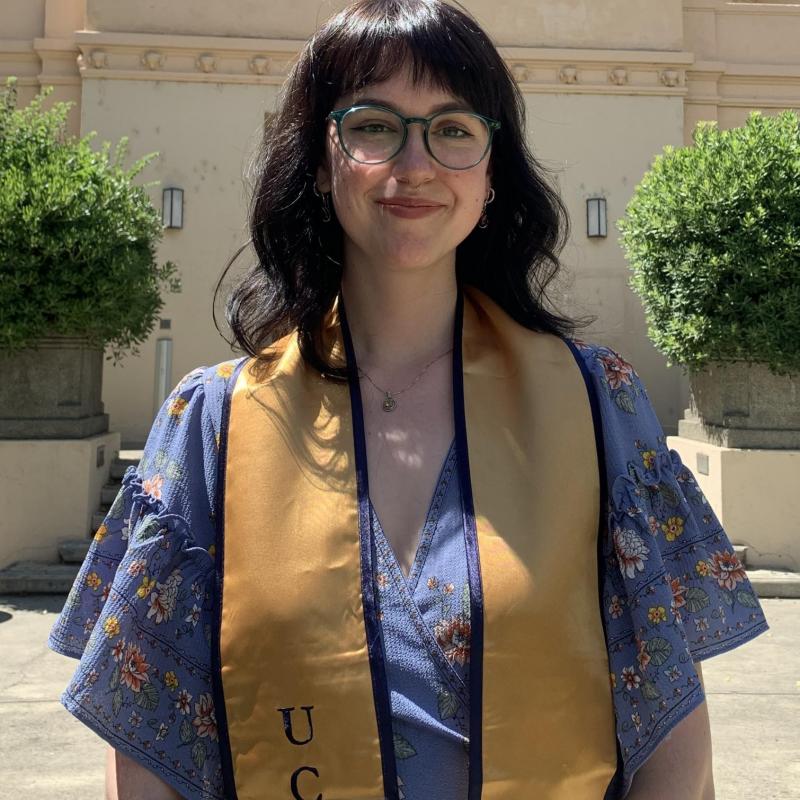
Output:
x=77 y=238
x=712 y=235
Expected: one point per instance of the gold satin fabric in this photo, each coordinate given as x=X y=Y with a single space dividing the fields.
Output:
x=292 y=628
x=548 y=721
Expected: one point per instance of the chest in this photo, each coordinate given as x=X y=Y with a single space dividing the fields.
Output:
x=406 y=448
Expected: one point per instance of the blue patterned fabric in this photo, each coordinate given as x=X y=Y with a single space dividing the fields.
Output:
x=140 y=611
x=674 y=592
x=425 y=620
x=139 y=615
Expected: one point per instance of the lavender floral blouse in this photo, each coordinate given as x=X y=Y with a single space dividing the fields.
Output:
x=139 y=615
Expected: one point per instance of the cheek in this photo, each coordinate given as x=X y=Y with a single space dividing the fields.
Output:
x=470 y=190
x=352 y=183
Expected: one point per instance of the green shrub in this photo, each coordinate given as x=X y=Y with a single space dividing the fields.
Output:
x=712 y=235
x=77 y=238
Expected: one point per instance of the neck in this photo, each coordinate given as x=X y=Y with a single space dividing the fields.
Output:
x=399 y=319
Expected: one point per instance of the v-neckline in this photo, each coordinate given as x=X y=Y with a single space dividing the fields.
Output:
x=425 y=534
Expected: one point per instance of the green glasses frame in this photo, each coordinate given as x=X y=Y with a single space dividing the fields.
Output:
x=338 y=115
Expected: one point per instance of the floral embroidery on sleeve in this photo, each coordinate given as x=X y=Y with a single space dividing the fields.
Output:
x=673 y=590
x=140 y=611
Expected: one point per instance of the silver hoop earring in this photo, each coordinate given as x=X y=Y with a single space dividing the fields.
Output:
x=326 y=211
x=484 y=221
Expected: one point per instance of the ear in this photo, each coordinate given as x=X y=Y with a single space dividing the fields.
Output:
x=323 y=176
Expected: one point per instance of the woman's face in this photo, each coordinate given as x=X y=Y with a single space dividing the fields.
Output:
x=379 y=235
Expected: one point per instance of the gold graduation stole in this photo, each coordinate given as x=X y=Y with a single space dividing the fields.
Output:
x=302 y=700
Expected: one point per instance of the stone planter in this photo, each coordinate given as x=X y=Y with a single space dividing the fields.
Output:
x=743 y=405
x=52 y=391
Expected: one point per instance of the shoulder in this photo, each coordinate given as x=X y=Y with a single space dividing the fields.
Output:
x=615 y=384
x=207 y=381
x=203 y=387
x=179 y=460
x=605 y=363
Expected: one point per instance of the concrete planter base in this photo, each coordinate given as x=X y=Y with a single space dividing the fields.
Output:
x=49 y=491
x=742 y=405
x=754 y=494
x=52 y=391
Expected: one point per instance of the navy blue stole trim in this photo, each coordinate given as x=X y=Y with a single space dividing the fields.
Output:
x=380 y=687
x=228 y=780
x=473 y=563
x=615 y=787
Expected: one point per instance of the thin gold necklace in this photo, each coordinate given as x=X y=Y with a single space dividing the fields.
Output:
x=389 y=402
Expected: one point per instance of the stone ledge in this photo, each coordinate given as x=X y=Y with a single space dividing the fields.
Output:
x=774 y=583
x=73 y=551
x=32 y=577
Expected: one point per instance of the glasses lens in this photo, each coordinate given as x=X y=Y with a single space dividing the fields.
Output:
x=458 y=140
x=371 y=135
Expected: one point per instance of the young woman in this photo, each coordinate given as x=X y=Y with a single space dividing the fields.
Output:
x=419 y=542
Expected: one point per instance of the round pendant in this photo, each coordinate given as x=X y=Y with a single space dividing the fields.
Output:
x=389 y=403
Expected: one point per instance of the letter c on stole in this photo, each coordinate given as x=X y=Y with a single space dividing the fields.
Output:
x=295 y=791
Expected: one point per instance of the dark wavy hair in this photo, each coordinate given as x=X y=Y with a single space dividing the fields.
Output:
x=298 y=269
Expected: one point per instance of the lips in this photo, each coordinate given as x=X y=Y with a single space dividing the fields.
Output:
x=409 y=202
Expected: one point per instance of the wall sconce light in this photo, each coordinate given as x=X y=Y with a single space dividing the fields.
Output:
x=596 y=217
x=172 y=208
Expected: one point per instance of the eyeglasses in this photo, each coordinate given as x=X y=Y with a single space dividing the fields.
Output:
x=373 y=134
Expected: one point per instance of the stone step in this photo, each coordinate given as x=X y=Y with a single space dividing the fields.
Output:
x=34 y=577
x=73 y=551
x=125 y=459
x=741 y=553
x=117 y=470
x=108 y=494
x=775 y=583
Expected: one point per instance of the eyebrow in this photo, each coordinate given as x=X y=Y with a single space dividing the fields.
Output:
x=450 y=105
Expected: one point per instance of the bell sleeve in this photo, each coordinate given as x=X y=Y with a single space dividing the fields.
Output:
x=138 y=617
x=673 y=590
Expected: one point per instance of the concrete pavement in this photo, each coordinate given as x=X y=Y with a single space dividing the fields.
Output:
x=753 y=696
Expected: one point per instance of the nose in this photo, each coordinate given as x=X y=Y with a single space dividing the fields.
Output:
x=414 y=162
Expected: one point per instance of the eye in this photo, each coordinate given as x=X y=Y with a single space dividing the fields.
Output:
x=453 y=132
x=373 y=127
x=456 y=126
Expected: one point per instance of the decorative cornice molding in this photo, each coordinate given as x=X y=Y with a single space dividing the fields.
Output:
x=538 y=70
x=743 y=9
x=747 y=103
x=733 y=85
x=200 y=59
x=18 y=46
x=206 y=62
x=55 y=46
x=594 y=55
x=17 y=51
x=543 y=70
x=237 y=60
x=619 y=76
x=151 y=59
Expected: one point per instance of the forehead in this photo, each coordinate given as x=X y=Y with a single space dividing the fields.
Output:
x=401 y=94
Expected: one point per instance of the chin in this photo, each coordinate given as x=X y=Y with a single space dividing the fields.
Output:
x=406 y=252
x=408 y=258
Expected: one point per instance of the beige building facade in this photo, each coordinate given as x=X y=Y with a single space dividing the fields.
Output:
x=607 y=86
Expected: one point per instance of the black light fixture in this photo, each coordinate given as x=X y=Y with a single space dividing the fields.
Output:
x=172 y=208
x=596 y=217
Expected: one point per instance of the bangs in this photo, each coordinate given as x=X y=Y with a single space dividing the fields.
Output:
x=442 y=47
